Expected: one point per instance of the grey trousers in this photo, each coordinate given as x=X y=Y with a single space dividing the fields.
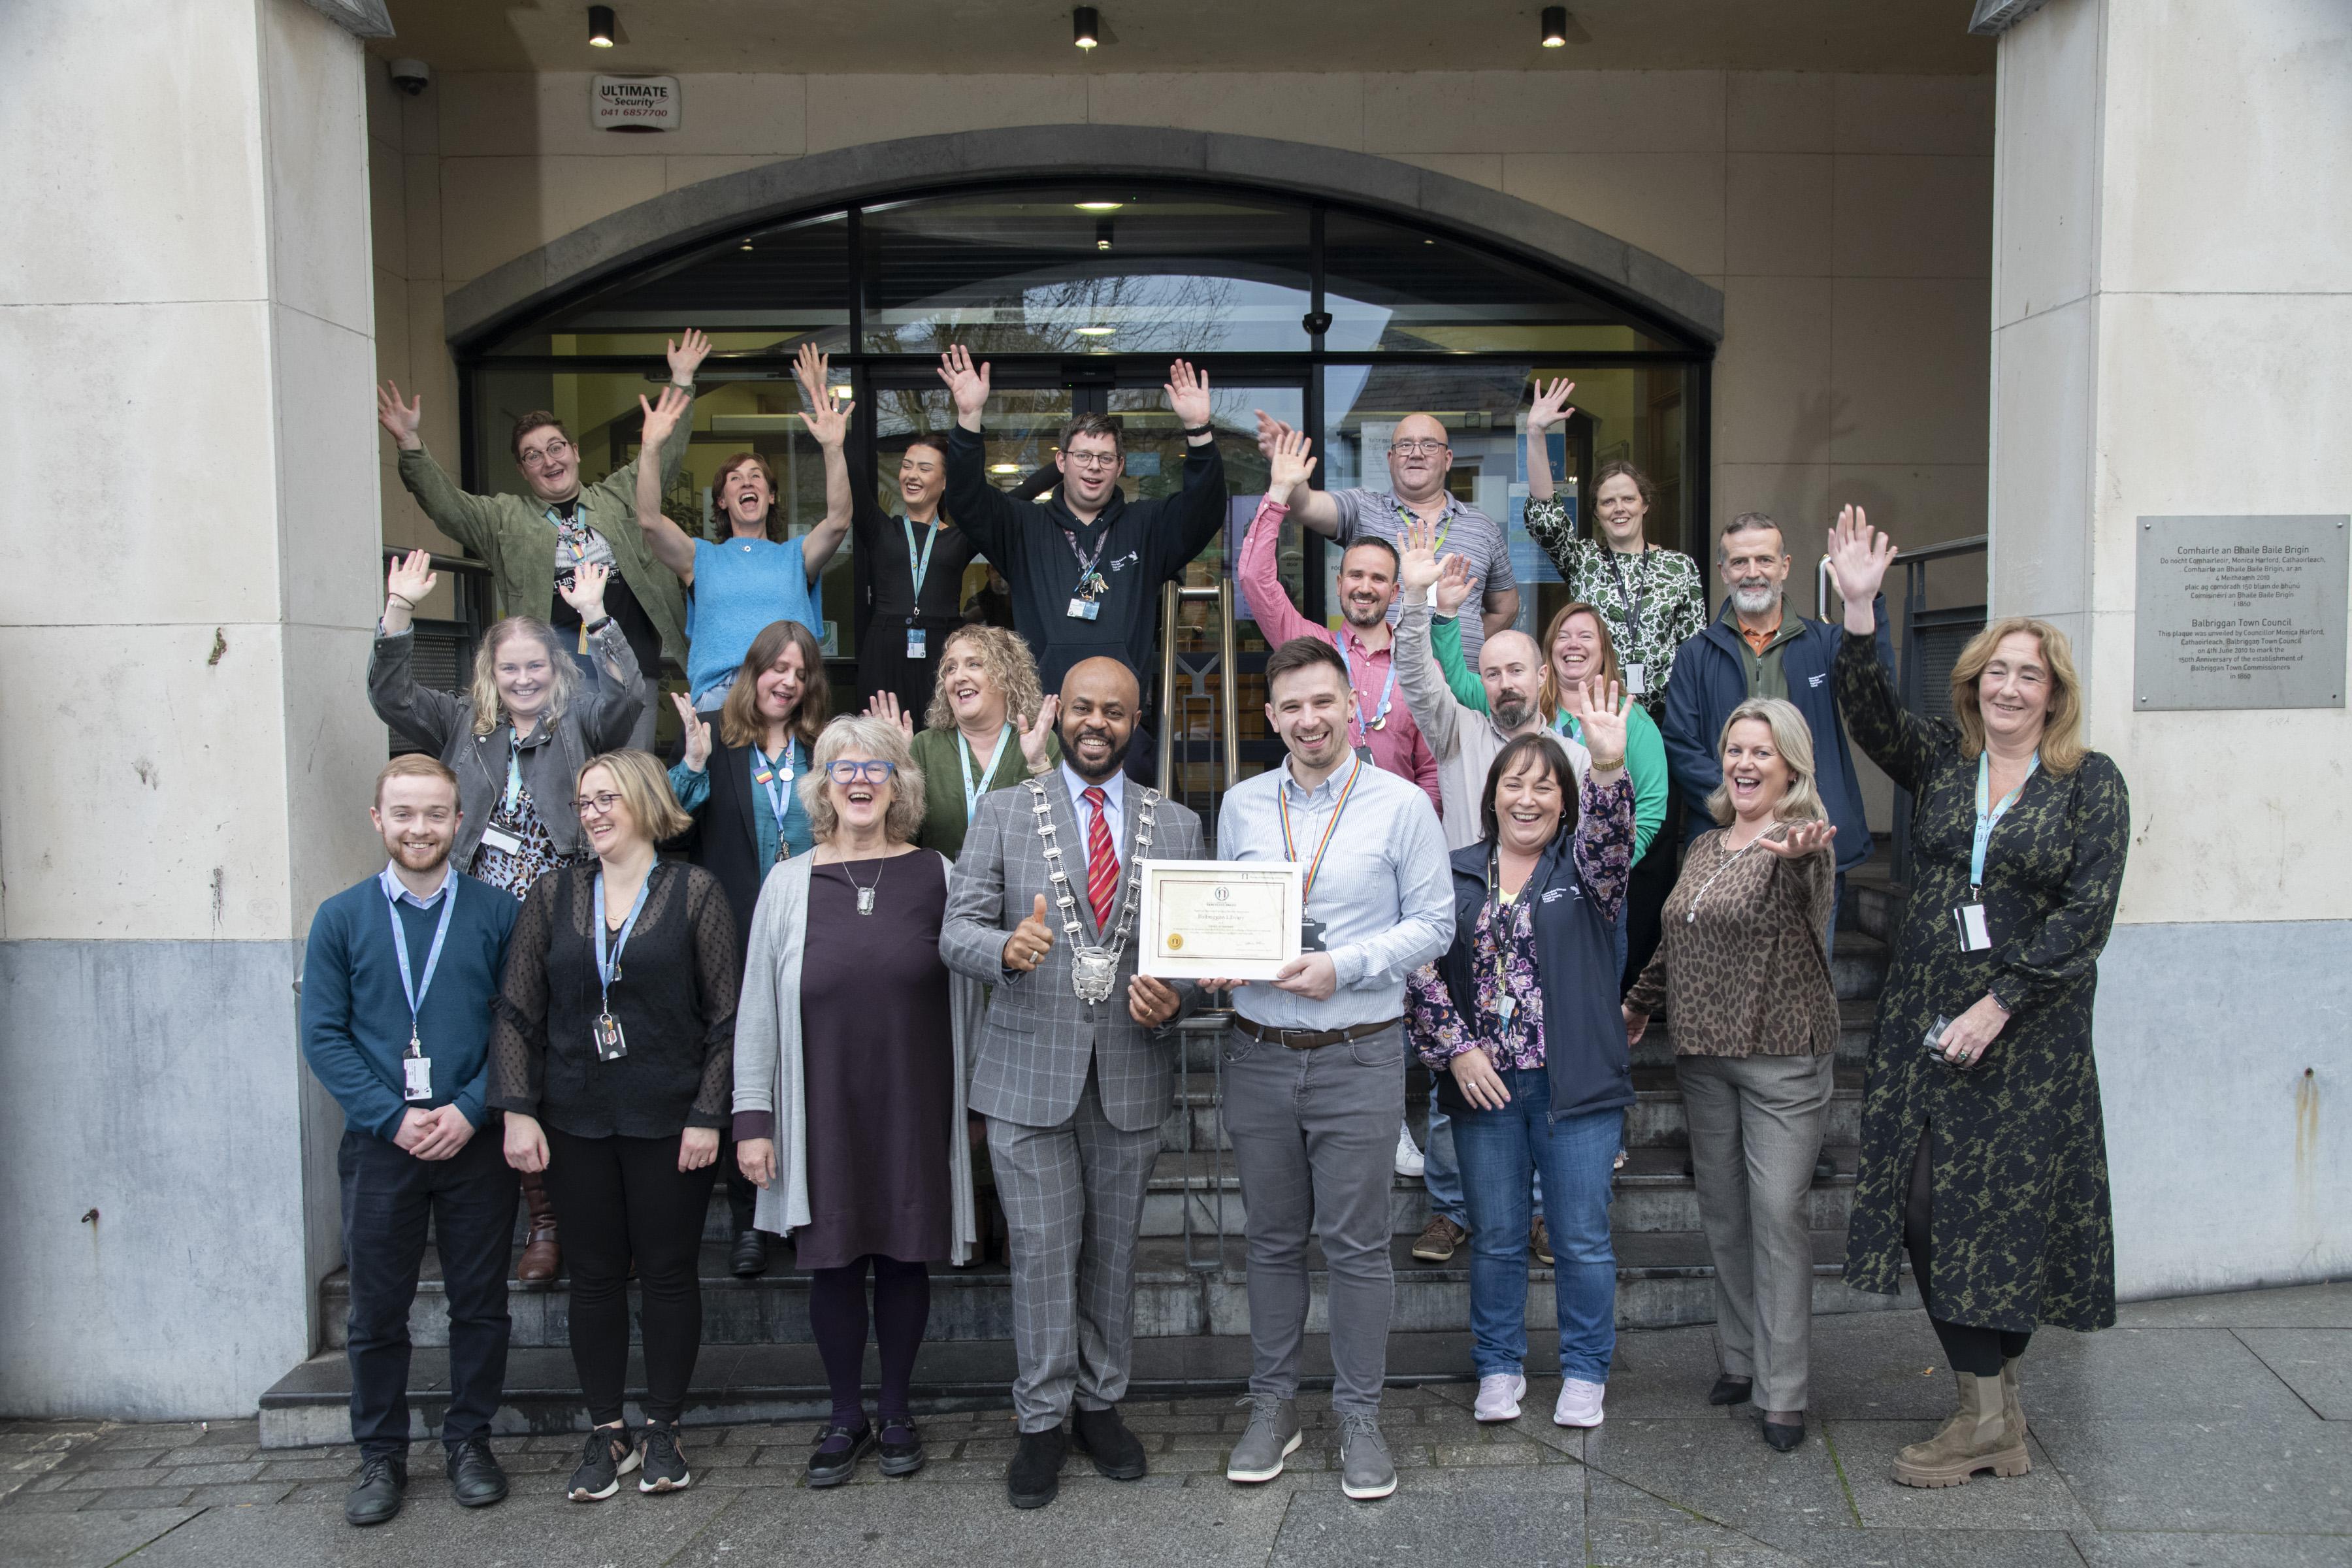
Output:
x=1314 y=1136
x=1073 y=1198
x=1756 y=1130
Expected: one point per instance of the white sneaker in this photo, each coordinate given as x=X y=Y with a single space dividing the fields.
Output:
x=1580 y=1402
x=1409 y=1162
x=1498 y=1396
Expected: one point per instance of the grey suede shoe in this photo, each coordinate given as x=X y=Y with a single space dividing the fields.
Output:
x=1271 y=1437
x=1365 y=1472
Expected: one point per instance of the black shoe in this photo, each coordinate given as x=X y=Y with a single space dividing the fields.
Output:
x=1116 y=1452
x=664 y=1468
x=1784 y=1438
x=902 y=1446
x=750 y=1254
x=1035 y=1473
x=1730 y=1390
x=838 y=1449
x=474 y=1479
x=376 y=1496
x=610 y=1453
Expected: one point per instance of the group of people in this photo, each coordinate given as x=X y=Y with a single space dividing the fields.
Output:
x=853 y=964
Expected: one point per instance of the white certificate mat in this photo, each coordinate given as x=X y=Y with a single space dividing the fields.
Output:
x=1226 y=920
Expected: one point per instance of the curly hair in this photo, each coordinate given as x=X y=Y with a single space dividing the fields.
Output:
x=564 y=678
x=876 y=738
x=1010 y=667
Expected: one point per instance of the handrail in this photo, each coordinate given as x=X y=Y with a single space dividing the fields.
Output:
x=1942 y=550
x=462 y=565
x=1228 y=716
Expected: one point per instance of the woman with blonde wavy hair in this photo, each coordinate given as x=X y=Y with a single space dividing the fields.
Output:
x=990 y=728
x=1743 y=971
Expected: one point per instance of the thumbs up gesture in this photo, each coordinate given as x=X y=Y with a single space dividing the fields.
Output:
x=1031 y=941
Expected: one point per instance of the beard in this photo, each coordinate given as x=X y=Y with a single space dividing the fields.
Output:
x=1754 y=601
x=1511 y=711
x=1119 y=750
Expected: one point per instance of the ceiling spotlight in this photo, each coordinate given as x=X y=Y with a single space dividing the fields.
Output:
x=1096 y=332
x=1100 y=207
x=1561 y=29
x=1102 y=234
x=1004 y=467
x=600 y=26
x=1085 y=28
x=745 y=246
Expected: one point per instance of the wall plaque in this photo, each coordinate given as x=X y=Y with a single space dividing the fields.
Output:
x=635 y=103
x=2241 y=612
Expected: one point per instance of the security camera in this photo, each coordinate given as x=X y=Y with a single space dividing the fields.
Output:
x=412 y=76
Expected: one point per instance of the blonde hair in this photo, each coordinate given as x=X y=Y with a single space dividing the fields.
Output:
x=2062 y=728
x=1548 y=692
x=739 y=723
x=643 y=784
x=1793 y=739
x=1006 y=659
x=876 y=738
x=489 y=712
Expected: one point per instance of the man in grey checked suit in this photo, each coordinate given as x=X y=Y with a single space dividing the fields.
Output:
x=1074 y=1092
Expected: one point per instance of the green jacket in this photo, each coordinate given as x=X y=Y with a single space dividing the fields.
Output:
x=513 y=536
x=942 y=761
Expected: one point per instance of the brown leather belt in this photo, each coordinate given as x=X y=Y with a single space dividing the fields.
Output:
x=1309 y=1039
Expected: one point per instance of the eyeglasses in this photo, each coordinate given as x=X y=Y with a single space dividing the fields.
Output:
x=1418 y=448
x=536 y=458
x=848 y=773
x=601 y=805
x=1093 y=459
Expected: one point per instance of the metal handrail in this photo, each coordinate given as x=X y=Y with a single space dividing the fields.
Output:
x=1228 y=715
x=459 y=565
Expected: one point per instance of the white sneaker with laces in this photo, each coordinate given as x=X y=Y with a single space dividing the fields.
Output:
x=1409 y=1162
x=1580 y=1402
x=1498 y=1396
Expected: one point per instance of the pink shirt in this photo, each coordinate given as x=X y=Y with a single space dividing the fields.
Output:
x=1398 y=745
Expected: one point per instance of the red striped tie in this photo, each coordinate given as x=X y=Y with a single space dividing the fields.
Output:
x=1102 y=859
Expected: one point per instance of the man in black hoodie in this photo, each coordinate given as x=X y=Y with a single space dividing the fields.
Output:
x=1085 y=567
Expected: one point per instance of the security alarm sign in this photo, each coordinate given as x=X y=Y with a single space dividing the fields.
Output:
x=635 y=103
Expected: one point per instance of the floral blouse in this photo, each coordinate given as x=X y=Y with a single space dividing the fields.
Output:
x=1672 y=589
x=1503 y=948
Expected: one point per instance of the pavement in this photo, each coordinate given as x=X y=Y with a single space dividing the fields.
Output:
x=2203 y=1432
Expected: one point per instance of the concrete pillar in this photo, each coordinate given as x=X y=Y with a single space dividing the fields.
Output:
x=2172 y=334
x=189 y=474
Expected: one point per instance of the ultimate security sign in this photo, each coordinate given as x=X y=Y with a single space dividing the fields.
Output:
x=635 y=103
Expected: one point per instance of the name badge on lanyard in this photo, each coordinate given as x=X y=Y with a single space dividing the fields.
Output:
x=1086 y=599
x=1969 y=920
x=919 y=567
x=1311 y=930
x=604 y=1029
x=415 y=1067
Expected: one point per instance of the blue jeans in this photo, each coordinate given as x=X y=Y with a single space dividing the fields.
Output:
x=1575 y=1156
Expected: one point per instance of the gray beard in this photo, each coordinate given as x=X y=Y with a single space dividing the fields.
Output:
x=1511 y=712
x=1754 y=601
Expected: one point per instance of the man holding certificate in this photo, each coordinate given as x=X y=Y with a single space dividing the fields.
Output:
x=1315 y=1064
x=1071 y=1072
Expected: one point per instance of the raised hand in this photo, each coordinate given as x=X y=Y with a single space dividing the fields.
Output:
x=1804 y=838
x=1859 y=557
x=1551 y=406
x=1417 y=565
x=1599 y=708
x=1452 y=584
x=1269 y=430
x=410 y=577
x=1291 y=465
x=696 y=732
x=814 y=370
x=966 y=385
x=401 y=418
x=1188 y=394
x=586 y=594
x=1031 y=941
x=686 y=354
x=884 y=707
x=828 y=421
x=661 y=416
x=1037 y=737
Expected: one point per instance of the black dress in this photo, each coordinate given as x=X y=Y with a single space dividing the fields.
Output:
x=888 y=608
x=877 y=1059
x=2021 y=1232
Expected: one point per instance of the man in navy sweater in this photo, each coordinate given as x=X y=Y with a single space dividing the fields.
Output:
x=397 y=981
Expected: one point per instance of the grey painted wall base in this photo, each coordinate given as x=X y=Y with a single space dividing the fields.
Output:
x=2225 y=1068
x=160 y=1085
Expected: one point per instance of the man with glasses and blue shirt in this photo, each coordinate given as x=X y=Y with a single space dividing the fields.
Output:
x=397 y=980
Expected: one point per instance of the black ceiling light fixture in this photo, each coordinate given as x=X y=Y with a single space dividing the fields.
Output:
x=600 y=31
x=1085 y=26
x=1555 y=27
x=1102 y=234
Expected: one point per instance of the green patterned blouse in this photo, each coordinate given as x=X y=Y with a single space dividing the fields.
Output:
x=1669 y=586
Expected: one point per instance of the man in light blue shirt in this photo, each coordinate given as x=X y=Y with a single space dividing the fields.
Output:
x=1314 y=1074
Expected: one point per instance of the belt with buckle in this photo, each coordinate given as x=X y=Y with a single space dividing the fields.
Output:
x=1309 y=1039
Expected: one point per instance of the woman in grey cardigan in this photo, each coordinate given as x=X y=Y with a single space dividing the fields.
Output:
x=849 y=1080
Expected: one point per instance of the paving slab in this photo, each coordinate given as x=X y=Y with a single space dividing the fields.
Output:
x=1527 y=1519
x=2316 y=1363
x=2152 y=1375
x=38 y=1540
x=2324 y=1306
x=2037 y=1501
x=2209 y=1476
x=1626 y=1527
x=430 y=1529
x=2172 y=1550
x=1726 y=1475
x=1934 y=1549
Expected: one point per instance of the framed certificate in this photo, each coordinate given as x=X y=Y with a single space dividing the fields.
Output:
x=1226 y=920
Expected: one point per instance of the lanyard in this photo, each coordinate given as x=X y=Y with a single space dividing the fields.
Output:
x=1406 y=517
x=919 y=567
x=1632 y=595
x=1087 y=572
x=1986 y=819
x=975 y=777
x=514 y=776
x=415 y=992
x=1500 y=924
x=1388 y=690
x=608 y=966
x=1290 y=851
x=763 y=773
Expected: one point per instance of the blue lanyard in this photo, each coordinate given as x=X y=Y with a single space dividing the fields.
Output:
x=514 y=775
x=763 y=773
x=1388 y=691
x=1987 y=818
x=974 y=789
x=415 y=992
x=919 y=567
x=608 y=965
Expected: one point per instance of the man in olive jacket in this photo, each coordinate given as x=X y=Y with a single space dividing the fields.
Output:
x=530 y=545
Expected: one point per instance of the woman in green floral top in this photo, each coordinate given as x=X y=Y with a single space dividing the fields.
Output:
x=1653 y=597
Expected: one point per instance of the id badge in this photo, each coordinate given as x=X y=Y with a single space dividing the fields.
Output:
x=1506 y=1010
x=1970 y=919
x=611 y=1044
x=499 y=839
x=1365 y=753
x=1637 y=680
x=416 y=1074
x=1085 y=610
x=917 y=643
x=1310 y=936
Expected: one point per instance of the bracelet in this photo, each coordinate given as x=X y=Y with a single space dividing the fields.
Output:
x=403 y=604
x=591 y=627
x=1191 y=430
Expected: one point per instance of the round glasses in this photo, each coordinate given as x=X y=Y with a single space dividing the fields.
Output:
x=850 y=772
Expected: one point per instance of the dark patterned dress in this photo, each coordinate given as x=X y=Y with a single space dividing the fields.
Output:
x=2020 y=1229
x=536 y=856
x=1671 y=588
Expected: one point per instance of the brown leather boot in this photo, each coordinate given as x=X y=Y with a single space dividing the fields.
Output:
x=1979 y=1436
x=539 y=1259
x=2012 y=1410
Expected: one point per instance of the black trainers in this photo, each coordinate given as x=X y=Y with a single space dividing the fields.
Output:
x=902 y=1446
x=664 y=1465
x=838 y=1449
x=610 y=1456
x=376 y=1496
x=474 y=1479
